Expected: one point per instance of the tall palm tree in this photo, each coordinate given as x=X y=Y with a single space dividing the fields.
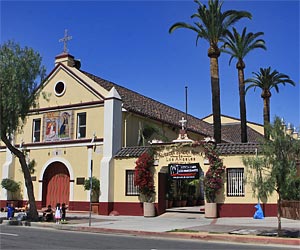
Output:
x=238 y=46
x=212 y=27
x=266 y=80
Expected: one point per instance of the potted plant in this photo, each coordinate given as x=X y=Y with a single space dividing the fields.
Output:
x=213 y=179
x=12 y=186
x=144 y=179
x=95 y=192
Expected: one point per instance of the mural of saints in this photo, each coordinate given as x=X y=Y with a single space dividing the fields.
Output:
x=64 y=130
x=51 y=129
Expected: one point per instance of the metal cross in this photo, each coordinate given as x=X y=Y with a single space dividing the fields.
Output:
x=65 y=39
x=182 y=121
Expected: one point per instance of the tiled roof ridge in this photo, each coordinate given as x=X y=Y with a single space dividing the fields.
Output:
x=193 y=122
x=222 y=148
x=238 y=148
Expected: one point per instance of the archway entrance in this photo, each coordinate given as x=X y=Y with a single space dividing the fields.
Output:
x=56 y=185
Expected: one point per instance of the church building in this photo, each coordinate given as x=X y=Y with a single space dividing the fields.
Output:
x=88 y=126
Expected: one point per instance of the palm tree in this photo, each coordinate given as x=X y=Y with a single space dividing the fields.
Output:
x=212 y=27
x=266 y=80
x=238 y=46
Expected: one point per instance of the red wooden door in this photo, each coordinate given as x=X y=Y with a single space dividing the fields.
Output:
x=56 y=185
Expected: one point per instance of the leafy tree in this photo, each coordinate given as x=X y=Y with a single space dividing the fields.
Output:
x=238 y=46
x=20 y=69
x=266 y=80
x=274 y=168
x=212 y=26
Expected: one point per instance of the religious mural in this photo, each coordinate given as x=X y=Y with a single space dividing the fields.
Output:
x=58 y=125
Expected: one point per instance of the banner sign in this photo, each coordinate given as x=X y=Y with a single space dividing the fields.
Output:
x=184 y=171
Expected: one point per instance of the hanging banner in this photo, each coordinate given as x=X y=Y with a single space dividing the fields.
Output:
x=184 y=171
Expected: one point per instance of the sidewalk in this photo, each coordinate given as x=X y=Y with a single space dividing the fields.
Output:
x=185 y=225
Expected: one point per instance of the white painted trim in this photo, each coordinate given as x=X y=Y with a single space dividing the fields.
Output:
x=65 y=146
x=90 y=152
x=5 y=172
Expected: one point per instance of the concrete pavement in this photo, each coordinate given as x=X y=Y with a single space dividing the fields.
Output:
x=184 y=225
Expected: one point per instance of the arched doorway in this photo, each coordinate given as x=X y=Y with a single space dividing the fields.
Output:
x=56 y=185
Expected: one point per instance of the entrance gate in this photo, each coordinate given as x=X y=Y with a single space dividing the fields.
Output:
x=56 y=185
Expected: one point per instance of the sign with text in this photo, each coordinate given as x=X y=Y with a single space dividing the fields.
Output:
x=184 y=171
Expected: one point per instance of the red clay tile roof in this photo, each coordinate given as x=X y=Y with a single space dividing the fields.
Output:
x=132 y=151
x=145 y=106
x=222 y=148
x=152 y=109
x=232 y=133
x=238 y=148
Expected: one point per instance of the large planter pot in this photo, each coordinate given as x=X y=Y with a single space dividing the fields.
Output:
x=149 y=209
x=210 y=210
x=95 y=208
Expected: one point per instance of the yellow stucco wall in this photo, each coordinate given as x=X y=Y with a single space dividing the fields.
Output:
x=75 y=90
x=94 y=116
x=237 y=162
x=134 y=123
x=119 y=180
x=183 y=154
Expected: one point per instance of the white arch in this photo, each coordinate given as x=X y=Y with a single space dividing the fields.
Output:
x=71 y=173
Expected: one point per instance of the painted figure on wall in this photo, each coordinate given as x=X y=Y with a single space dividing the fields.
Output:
x=64 y=130
x=50 y=129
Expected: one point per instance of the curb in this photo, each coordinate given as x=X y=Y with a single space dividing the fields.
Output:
x=207 y=236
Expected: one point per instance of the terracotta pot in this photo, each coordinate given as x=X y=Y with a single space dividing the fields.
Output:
x=170 y=203
x=149 y=209
x=210 y=210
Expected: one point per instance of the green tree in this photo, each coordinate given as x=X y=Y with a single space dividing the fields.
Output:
x=273 y=168
x=20 y=69
x=238 y=46
x=212 y=26
x=266 y=80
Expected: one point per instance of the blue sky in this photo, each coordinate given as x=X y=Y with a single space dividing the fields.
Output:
x=127 y=42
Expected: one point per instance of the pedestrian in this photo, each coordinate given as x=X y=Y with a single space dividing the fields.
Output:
x=48 y=214
x=57 y=213
x=63 y=212
x=10 y=211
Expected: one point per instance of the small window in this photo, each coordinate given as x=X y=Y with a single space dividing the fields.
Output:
x=81 y=125
x=235 y=182
x=131 y=189
x=59 y=88
x=36 y=130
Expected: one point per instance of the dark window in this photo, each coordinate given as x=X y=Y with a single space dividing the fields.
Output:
x=131 y=189
x=59 y=88
x=81 y=125
x=235 y=182
x=36 y=130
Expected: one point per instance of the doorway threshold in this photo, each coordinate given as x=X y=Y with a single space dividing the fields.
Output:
x=193 y=209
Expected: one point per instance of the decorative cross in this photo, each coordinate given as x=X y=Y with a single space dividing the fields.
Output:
x=183 y=122
x=65 y=39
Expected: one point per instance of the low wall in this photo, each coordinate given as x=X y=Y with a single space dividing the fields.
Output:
x=290 y=209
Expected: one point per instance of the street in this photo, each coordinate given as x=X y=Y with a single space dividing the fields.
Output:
x=21 y=237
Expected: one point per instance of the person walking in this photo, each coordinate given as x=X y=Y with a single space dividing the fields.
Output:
x=10 y=211
x=57 y=213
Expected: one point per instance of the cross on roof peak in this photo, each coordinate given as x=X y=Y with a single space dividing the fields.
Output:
x=65 y=39
x=183 y=122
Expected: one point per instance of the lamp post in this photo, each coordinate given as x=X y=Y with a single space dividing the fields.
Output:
x=91 y=186
x=91 y=176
